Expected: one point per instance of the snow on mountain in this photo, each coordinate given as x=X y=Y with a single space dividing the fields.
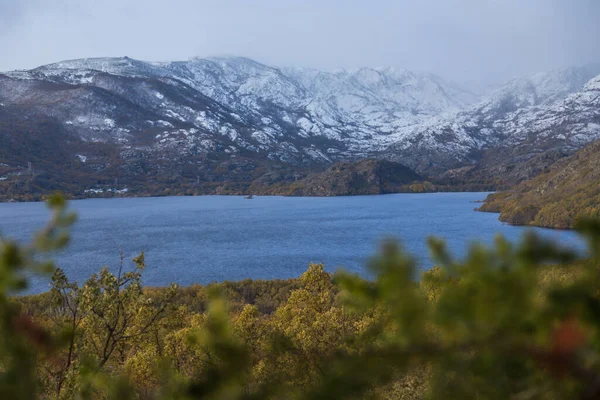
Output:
x=296 y=115
x=572 y=122
x=300 y=115
x=559 y=109
x=368 y=105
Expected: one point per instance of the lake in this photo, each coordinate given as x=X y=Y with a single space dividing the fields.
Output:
x=214 y=238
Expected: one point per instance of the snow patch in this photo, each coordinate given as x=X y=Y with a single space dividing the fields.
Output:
x=164 y=124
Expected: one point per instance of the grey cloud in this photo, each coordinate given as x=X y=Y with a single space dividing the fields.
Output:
x=10 y=12
x=481 y=41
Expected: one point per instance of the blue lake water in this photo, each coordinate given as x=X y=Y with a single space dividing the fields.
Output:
x=214 y=238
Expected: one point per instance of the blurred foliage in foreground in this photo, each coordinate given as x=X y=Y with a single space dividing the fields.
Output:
x=512 y=321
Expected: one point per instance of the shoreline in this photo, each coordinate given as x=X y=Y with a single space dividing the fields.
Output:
x=524 y=225
x=135 y=196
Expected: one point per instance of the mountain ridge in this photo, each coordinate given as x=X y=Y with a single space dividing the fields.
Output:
x=514 y=122
x=176 y=121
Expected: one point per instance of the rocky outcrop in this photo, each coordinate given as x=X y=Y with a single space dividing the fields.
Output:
x=355 y=178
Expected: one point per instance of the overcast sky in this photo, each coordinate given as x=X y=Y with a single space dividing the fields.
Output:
x=479 y=41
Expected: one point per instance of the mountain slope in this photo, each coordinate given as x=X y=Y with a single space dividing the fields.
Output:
x=193 y=124
x=355 y=112
x=556 y=198
x=558 y=110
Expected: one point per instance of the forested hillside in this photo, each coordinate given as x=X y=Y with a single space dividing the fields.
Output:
x=566 y=192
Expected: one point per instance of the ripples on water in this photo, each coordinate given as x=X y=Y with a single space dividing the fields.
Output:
x=215 y=238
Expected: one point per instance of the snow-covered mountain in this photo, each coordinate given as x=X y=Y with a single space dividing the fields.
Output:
x=555 y=110
x=155 y=115
x=295 y=115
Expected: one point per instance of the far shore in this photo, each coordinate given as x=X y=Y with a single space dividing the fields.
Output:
x=133 y=195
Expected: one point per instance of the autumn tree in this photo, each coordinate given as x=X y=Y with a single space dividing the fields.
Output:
x=507 y=321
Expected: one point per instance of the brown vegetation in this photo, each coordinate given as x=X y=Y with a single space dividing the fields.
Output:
x=557 y=198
